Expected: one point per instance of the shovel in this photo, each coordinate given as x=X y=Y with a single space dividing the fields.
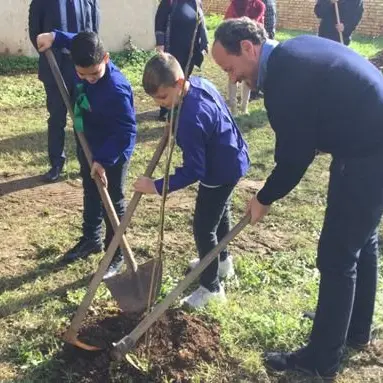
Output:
x=338 y=21
x=126 y=344
x=139 y=279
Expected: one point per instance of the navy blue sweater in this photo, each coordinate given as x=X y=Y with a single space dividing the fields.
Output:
x=319 y=95
x=213 y=149
x=110 y=126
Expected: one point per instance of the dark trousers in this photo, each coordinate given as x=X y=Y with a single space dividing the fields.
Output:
x=94 y=212
x=347 y=258
x=211 y=223
x=58 y=112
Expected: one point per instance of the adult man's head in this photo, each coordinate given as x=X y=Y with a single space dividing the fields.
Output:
x=237 y=47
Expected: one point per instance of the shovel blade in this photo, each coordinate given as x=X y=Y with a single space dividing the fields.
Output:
x=132 y=289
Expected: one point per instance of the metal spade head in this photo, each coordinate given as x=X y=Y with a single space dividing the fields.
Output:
x=132 y=289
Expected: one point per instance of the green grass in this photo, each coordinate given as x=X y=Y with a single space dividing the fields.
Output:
x=275 y=260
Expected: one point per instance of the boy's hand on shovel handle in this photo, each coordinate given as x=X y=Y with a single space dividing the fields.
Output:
x=97 y=168
x=340 y=27
x=257 y=210
x=145 y=185
x=45 y=41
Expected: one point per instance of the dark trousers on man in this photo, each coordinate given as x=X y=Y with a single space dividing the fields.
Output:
x=94 y=212
x=211 y=223
x=58 y=112
x=347 y=259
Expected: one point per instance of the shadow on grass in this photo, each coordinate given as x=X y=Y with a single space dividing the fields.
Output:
x=13 y=307
x=43 y=269
x=31 y=142
x=36 y=142
x=20 y=184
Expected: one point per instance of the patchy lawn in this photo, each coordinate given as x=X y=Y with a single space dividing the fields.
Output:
x=275 y=261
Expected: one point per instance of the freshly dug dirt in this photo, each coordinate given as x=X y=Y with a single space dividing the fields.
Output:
x=179 y=341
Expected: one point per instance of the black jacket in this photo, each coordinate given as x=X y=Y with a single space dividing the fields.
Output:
x=350 y=12
x=174 y=28
x=47 y=15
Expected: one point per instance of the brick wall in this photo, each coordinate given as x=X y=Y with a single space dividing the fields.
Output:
x=299 y=14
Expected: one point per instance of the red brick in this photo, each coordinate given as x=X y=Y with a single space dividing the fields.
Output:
x=299 y=14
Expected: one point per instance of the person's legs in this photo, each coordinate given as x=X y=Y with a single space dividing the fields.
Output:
x=245 y=90
x=56 y=125
x=116 y=176
x=365 y=292
x=232 y=93
x=225 y=264
x=354 y=209
x=90 y=241
x=211 y=205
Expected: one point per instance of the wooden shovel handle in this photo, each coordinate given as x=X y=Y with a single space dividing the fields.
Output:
x=71 y=334
x=128 y=342
x=338 y=21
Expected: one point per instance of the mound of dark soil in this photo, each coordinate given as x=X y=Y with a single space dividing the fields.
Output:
x=178 y=342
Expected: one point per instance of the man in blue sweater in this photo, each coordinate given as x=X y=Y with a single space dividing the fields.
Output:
x=336 y=108
x=214 y=153
x=70 y=16
x=104 y=102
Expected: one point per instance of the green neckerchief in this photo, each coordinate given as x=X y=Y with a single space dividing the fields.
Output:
x=81 y=104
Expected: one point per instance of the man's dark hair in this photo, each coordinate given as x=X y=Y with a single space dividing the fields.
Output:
x=232 y=31
x=87 y=49
x=162 y=69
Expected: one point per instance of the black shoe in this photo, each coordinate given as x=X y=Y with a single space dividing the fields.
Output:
x=83 y=249
x=53 y=174
x=309 y=315
x=297 y=361
x=358 y=346
x=163 y=115
x=115 y=266
x=255 y=95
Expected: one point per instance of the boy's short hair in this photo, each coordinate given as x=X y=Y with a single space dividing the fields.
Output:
x=87 y=49
x=163 y=69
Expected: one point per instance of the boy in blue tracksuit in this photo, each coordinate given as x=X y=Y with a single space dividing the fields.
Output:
x=104 y=103
x=214 y=153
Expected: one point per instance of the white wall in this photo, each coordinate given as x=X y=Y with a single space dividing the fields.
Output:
x=119 y=19
x=14 y=27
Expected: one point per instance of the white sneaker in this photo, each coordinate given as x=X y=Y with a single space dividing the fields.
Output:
x=225 y=268
x=200 y=297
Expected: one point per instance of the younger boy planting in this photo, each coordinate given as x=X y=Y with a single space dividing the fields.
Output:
x=214 y=153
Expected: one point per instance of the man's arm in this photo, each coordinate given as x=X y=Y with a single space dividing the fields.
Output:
x=350 y=13
x=96 y=16
x=295 y=149
x=260 y=10
x=161 y=21
x=203 y=32
x=35 y=21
